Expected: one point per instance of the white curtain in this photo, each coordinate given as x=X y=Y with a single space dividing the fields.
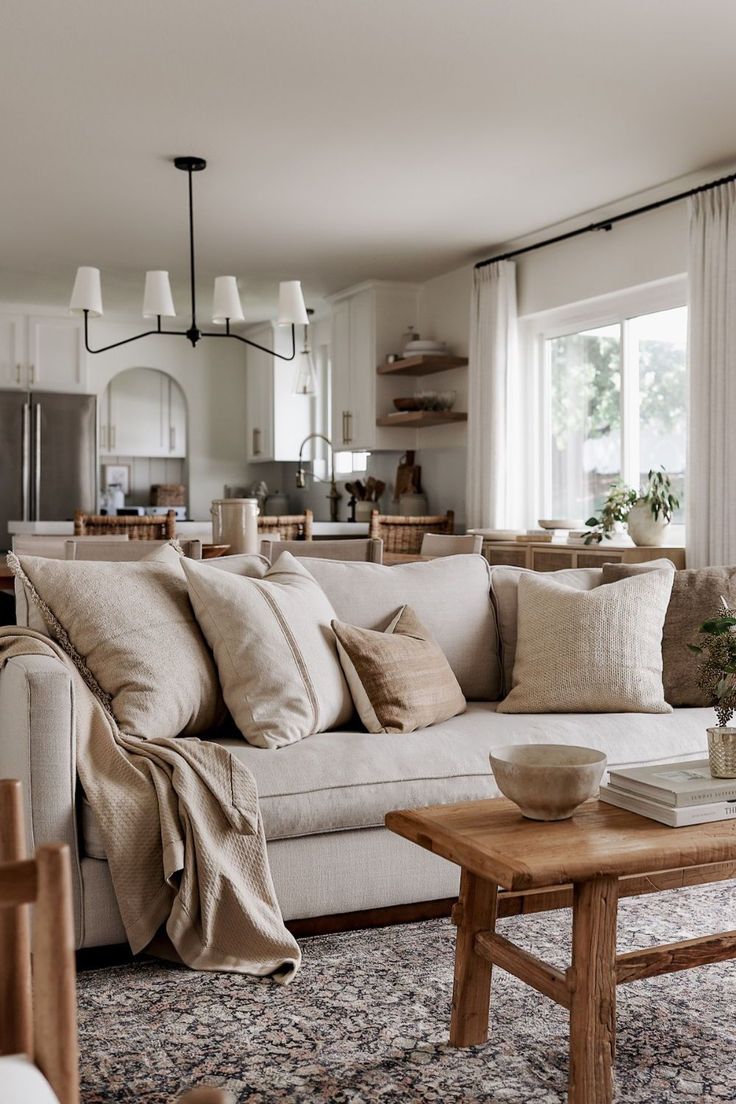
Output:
x=494 y=498
x=711 y=468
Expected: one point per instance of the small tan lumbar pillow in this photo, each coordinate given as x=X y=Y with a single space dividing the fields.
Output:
x=400 y=679
x=595 y=651
x=275 y=653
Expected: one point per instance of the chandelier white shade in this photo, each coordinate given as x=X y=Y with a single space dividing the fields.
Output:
x=292 y=311
x=87 y=293
x=157 y=299
x=227 y=305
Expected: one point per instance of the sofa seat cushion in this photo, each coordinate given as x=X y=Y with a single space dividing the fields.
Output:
x=334 y=781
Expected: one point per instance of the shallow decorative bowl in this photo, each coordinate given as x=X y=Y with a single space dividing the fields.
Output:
x=410 y=403
x=547 y=781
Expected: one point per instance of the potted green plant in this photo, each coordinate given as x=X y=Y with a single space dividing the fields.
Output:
x=717 y=678
x=614 y=511
x=652 y=511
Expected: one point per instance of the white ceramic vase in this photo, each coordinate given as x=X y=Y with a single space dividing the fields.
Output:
x=235 y=522
x=644 y=528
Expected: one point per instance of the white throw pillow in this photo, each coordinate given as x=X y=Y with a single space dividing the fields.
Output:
x=595 y=651
x=275 y=651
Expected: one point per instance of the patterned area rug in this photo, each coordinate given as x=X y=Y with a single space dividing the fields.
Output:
x=367 y=1017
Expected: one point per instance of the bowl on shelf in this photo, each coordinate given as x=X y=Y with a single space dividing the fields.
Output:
x=427 y=400
x=446 y=400
x=408 y=404
x=547 y=781
x=560 y=523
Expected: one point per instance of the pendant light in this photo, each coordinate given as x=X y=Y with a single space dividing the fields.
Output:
x=158 y=302
x=305 y=379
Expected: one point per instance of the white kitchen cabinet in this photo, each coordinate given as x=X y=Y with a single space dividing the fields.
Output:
x=368 y=323
x=143 y=413
x=42 y=352
x=277 y=420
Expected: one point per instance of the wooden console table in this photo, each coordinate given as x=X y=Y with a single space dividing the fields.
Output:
x=553 y=556
x=589 y=861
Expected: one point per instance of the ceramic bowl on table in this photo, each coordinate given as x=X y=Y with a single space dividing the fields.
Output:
x=547 y=781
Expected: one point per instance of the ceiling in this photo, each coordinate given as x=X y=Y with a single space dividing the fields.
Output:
x=346 y=139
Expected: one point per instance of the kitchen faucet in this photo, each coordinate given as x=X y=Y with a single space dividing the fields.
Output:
x=301 y=476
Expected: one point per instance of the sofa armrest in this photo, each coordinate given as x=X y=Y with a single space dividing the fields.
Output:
x=38 y=746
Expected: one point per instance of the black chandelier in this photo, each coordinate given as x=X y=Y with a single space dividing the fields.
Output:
x=158 y=302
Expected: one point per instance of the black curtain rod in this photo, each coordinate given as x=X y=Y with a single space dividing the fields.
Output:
x=609 y=223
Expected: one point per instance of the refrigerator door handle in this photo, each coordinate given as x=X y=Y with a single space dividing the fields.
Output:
x=26 y=461
x=37 y=463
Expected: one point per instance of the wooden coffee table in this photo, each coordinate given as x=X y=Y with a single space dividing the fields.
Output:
x=601 y=854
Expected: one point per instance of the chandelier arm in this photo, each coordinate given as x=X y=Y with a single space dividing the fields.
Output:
x=127 y=340
x=254 y=344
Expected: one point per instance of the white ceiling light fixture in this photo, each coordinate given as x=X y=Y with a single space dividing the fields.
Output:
x=305 y=378
x=158 y=302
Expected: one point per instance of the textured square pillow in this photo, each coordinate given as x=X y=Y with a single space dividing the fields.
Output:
x=596 y=651
x=400 y=679
x=504 y=592
x=696 y=595
x=131 y=631
x=274 y=649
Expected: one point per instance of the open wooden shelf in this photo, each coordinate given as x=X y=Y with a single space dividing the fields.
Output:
x=421 y=365
x=421 y=418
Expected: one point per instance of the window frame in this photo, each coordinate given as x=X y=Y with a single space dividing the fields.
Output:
x=590 y=314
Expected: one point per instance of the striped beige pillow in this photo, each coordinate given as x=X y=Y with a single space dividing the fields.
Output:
x=400 y=679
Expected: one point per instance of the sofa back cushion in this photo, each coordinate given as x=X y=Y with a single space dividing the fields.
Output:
x=450 y=597
x=505 y=591
x=131 y=632
x=696 y=596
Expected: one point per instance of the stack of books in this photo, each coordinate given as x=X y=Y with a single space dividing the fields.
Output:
x=677 y=794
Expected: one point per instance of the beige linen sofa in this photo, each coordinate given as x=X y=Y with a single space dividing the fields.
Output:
x=324 y=799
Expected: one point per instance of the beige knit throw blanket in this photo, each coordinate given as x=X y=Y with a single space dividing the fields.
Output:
x=183 y=836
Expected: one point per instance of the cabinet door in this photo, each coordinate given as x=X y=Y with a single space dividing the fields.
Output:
x=340 y=383
x=177 y=419
x=362 y=421
x=259 y=403
x=13 y=367
x=56 y=355
x=138 y=419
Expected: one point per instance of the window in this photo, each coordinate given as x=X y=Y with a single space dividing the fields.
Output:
x=613 y=406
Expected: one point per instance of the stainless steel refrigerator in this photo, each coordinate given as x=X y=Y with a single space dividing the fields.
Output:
x=48 y=457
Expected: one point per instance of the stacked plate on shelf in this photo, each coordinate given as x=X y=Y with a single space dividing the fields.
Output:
x=425 y=348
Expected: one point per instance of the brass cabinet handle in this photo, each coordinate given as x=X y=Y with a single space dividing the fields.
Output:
x=172 y=438
x=31 y=373
x=349 y=437
x=113 y=436
x=256 y=442
x=18 y=374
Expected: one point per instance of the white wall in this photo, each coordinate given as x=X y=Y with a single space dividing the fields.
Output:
x=212 y=376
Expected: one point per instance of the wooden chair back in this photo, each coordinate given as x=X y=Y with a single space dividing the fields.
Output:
x=401 y=533
x=287 y=527
x=137 y=527
x=444 y=544
x=364 y=549
x=38 y=1009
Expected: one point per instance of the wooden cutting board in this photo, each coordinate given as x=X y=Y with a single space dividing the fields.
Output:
x=408 y=476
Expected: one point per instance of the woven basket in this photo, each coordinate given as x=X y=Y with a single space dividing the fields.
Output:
x=401 y=533
x=146 y=527
x=287 y=526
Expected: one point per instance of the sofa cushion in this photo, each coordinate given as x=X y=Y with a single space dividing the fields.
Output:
x=505 y=594
x=598 y=651
x=275 y=651
x=400 y=680
x=450 y=596
x=131 y=632
x=348 y=779
x=696 y=596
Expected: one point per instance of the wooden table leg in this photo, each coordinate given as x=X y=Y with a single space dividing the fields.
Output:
x=593 y=984
x=476 y=912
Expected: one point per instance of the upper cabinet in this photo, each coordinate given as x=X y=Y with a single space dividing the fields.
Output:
x=42 y=352
x=368 y=323
x=277 y=420
x=143 y=413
